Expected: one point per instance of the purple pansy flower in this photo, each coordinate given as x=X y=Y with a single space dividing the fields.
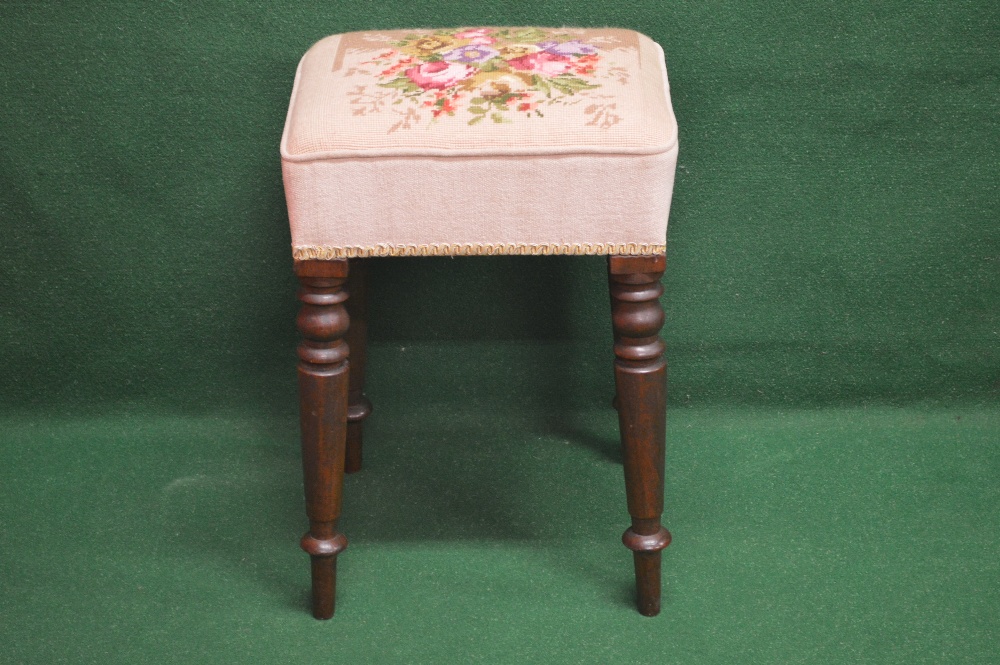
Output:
x=574 y=47
x=471 y=53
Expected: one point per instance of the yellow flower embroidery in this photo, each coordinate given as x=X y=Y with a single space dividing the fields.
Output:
x=517 y=50
x=426 y=46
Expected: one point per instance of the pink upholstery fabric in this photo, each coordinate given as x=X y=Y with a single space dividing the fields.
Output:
x=480 y=141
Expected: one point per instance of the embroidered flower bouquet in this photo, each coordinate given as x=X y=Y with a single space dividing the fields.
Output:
x=489 y=72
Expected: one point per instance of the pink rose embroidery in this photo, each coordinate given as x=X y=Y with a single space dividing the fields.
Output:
x=439 y=75
x=544 y=63
x=477 y=37
x=472 y=34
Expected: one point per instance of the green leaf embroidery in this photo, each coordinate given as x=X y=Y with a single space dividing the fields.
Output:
x=402 y=83
x=497 y=117
x=541 y=84
x=493 y=65
x=530 y=35
x=570 y=84
x=478 y=118
x=477 y=109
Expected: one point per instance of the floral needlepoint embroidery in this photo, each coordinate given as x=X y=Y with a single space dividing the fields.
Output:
x=497 y=75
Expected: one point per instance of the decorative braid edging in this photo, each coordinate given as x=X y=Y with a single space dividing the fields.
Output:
x=324 y=253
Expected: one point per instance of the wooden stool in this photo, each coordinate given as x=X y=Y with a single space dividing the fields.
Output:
x=477 y=141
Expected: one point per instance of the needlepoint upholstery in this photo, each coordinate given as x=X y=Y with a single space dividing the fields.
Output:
x=480 y=141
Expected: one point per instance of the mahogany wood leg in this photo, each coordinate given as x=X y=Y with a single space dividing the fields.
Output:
x=640 y=378
x=358 y=405
x=323 y=386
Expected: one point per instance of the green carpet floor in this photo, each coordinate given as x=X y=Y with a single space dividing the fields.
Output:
x=481 y=534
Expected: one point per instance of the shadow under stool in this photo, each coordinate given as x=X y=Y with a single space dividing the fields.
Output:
x=477 y=141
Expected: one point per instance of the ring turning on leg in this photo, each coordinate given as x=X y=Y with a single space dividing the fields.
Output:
x=640 y=379
x=323 y=385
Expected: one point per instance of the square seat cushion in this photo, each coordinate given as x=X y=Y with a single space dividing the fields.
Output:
x=480 y=141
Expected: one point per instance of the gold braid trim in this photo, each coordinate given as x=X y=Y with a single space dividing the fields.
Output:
x=324 y=253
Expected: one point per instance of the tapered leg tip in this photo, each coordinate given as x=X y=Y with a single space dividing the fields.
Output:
x=323 y=615
x=650 y=610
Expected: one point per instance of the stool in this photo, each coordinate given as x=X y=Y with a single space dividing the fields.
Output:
x=477 y=141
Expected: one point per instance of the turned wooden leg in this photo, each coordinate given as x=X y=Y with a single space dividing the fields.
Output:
x=323 y=385
x=640 y=378
x=358 y=405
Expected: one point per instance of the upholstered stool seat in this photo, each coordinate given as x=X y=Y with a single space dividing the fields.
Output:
x=481 y=141
x=477 y=141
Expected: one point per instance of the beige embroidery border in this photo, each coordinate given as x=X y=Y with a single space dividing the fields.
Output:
x=323 y=253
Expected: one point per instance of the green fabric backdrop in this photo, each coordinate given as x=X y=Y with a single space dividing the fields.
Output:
x=833 y=253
